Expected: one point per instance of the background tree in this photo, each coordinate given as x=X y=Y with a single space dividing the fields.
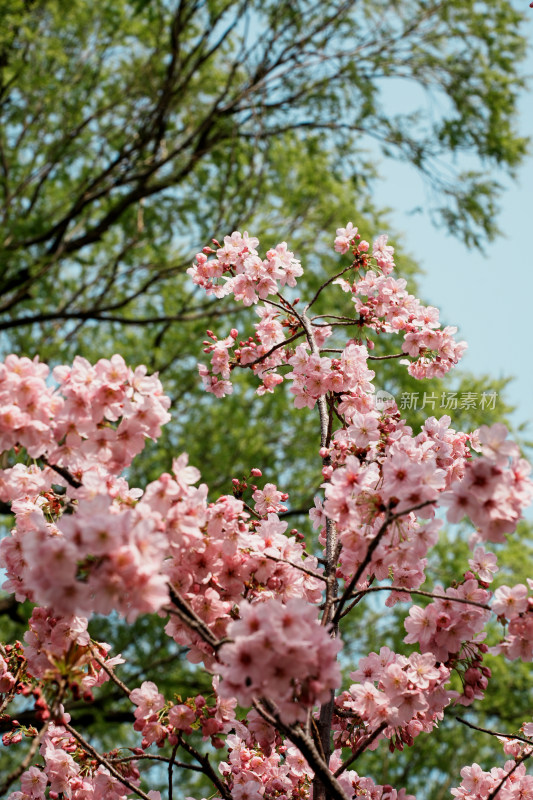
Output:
x=130 y=132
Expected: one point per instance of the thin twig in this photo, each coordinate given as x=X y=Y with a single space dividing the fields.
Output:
x=191 y=619
x=110 y=672
x=17 y=772
x=146 y=756
x=171 y=765
x=12 y=692
x=333 y=316
x=384 y=358
x=321 y=288
x=518 y=761
x=307 y=571
x=420 y=592
x=272 y=350
x=306 y=745
x=389 y=517
x=362 y=747
x=103 y=761
x=70 y=479
x=494 y=733
x=207 y=769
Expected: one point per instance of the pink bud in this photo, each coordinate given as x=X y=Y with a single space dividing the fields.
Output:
x=472 y=675
x=323 y=452
x=234 y=333
x=256 y=473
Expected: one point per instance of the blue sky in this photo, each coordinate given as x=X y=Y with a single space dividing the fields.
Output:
x=488 y=297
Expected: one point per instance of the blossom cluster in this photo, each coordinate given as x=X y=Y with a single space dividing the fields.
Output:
x=158 y=720
x=69 y=772
x=401 y=696
x=443 y=625
x=50 y=642
x=384 y=305
x=99 y=414
x=245 y=275
x=380 y=468
x=280 y=651
x=233 y=584
x=381 y=302
x=356 y=786
x=105 y=556
x=314 y=376
x=494 y=489
x=7 y=679
x=510 y=781
x=253 y=772
x=217 y=554
x=86 y=430
x=514 y=606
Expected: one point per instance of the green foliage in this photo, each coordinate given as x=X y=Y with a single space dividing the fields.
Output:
x=132 y=131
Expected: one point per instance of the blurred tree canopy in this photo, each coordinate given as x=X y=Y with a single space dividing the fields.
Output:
x=132 y=131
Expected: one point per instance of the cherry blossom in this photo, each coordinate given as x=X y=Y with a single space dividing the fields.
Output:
x=255 y=605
